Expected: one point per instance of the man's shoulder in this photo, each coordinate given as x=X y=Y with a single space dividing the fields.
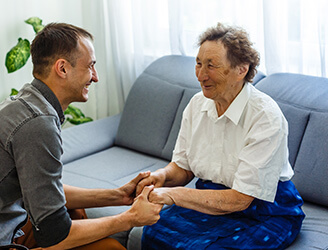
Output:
x=18 y=111
x=28 y=102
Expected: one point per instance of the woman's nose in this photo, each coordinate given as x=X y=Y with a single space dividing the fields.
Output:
x=201 y=74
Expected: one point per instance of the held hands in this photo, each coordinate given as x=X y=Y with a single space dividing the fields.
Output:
x=135 y=187
x=157 y=179
x=172 y=175
x=148 y=200
x=143 y=211
x=129 y=190
x=158 y=195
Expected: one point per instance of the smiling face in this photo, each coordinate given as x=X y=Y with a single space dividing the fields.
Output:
x=218 y=80
x=83 y=73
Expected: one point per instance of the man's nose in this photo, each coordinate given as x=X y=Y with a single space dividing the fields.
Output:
x=95 y=75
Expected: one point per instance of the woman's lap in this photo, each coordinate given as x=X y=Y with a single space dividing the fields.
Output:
x=262 y=226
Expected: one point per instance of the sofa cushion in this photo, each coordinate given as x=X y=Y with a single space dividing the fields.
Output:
x=311 y=167
x=314 y=232
x=113 y=166
x=258 y=77
x=297 y=120
x=303 y=91
x=148 y=115
x=150 y=128
x=168 y=149
x=91 y=137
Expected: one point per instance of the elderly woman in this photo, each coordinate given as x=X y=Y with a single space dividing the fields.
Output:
x=234 y=139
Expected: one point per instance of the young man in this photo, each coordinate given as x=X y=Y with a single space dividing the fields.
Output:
x=30 y=151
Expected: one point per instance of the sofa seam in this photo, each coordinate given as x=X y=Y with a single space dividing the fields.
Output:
x=169 y=81
x=72 y=172
x=175 y=116
x=300 y=106
x=301 y=141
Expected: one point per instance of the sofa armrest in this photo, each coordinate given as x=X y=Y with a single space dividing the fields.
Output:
x=89 y=138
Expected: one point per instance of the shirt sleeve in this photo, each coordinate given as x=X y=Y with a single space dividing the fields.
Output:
x=37 y=150
x=261 y=160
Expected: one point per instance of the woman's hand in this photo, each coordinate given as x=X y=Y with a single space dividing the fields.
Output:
x=162 y=196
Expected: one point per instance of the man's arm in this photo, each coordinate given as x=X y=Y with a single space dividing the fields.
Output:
x=86 y=198
x=86 y=231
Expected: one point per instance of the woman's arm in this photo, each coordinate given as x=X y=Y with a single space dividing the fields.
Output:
x=215 y=202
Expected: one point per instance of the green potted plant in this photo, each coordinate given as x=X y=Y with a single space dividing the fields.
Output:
x=17 y=57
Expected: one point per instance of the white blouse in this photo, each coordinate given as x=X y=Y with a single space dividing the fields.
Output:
x=244 y=149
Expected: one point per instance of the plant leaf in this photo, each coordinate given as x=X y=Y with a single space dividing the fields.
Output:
x=13 y=92
x=36 y=23
x=77 y=121
x=18 y=55
x=73 y=112
x=75 y=116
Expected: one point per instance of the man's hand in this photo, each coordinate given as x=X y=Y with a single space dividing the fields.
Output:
x=129 y=189
x=143 y=211
x=162 y=196
x=157 y=179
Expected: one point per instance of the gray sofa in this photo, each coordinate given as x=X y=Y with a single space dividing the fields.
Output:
x=109 y=152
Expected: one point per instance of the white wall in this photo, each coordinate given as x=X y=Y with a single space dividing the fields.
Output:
x=12 y=26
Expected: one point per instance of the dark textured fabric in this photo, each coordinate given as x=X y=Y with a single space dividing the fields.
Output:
x=50 y=97
x=30 y=166
x=27 y=241
x=53 y=229
x=13 y=247
x=263 y=225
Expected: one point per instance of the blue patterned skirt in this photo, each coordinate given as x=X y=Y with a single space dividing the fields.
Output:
x=263 y=225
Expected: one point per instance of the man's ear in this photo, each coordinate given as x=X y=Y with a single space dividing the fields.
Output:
x=61 y=66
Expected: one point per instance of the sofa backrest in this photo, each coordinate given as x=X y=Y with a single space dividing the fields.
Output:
x=152 y=113
x=304 y=102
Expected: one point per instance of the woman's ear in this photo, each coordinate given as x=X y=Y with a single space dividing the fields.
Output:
x=61 y=66
x=243 y=70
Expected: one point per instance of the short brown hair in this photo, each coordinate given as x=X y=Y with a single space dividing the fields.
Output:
x=54 y=41
x=239 y=48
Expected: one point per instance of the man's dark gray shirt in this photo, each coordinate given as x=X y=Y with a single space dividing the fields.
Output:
x=31 y=167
